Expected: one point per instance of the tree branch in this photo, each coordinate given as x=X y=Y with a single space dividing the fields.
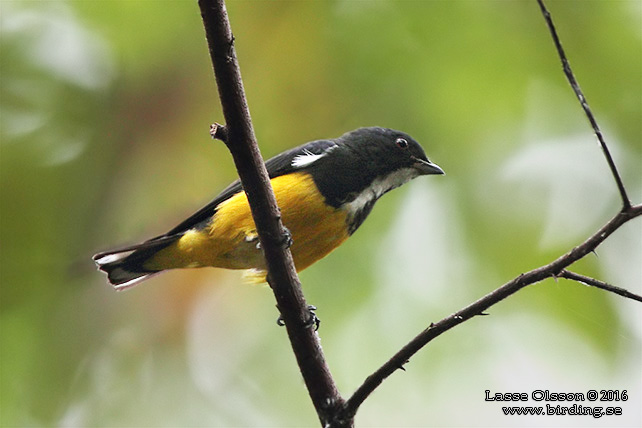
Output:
x=219 y=132
x=240 y=140
x=587 y=280
x=553 y=269
x=568 y=72
x=239 y=136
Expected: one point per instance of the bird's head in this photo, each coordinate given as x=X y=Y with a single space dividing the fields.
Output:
x=383 y=151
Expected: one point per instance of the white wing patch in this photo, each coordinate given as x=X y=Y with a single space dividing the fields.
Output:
x=308 y=158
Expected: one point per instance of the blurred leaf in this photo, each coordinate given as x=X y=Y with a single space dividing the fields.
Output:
x=103 y=127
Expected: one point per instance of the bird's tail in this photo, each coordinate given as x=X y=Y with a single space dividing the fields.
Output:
x=125 y=267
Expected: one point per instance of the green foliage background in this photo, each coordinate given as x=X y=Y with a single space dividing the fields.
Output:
x=104 y=127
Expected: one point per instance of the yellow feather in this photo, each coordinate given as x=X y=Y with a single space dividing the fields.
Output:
x=231 y=241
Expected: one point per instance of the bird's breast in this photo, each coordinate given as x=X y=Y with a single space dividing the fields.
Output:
x=230 y=239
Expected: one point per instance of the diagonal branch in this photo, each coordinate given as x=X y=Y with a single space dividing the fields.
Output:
x=587 y=280
x=239 y=136
x=568 y=72
x=240 y=140
x=553 y=269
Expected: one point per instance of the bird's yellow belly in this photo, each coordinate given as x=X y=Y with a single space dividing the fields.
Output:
x=231 y=242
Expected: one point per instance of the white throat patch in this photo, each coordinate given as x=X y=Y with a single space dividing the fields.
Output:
x=378 y=187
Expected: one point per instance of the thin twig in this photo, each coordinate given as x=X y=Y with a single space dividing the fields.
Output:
x=552 y=269
x=240 y=140
x=587 y=280
x=218 y=132
x=568 y=72
x=239 y=137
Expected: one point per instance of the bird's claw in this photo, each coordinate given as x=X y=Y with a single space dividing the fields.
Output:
x=287 y=238
x=312 y=321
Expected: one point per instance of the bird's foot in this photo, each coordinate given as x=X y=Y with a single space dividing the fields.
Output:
x=313 y=321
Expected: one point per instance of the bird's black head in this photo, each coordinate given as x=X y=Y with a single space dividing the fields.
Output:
x=381 y=151
x=365 y=163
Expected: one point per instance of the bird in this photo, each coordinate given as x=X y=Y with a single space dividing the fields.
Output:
x=325 y=189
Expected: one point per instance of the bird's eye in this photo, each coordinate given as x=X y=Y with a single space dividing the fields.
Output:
x=401 y=143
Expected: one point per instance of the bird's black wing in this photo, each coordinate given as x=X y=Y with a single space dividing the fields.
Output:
x=281 y=164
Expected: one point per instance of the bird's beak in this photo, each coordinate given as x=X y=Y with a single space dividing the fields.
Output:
x=425 y=167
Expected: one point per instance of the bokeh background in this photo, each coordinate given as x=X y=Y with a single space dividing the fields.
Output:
x=105 y=113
